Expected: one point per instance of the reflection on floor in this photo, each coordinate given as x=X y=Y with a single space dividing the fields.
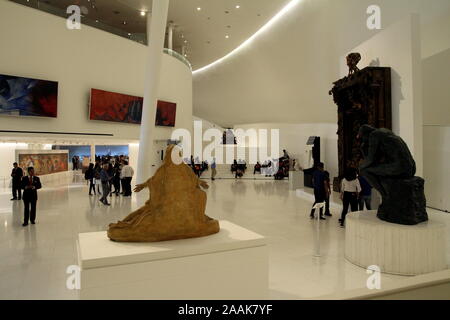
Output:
x=34 y=259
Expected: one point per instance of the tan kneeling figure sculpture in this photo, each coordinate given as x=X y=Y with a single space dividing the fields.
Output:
x=175 y=209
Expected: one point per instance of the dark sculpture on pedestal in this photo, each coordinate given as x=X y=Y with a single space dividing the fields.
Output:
x=390 y=168
x=364 y=97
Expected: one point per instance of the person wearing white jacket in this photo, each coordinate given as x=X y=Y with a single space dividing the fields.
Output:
x=350 y=190
x=126 y=175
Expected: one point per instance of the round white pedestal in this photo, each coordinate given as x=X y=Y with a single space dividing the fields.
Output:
x=396 y=249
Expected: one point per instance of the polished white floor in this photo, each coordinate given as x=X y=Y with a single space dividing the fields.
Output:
x=33 y=260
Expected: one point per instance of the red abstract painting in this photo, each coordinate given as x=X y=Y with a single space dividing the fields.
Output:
x=166 y=114
x=111 y=106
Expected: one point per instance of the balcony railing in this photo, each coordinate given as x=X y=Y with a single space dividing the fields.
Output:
x=178 y=56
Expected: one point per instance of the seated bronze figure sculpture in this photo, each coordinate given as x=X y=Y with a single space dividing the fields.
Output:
x=175 y=209
x=390 y=168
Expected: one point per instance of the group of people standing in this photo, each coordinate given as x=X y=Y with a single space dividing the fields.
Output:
x=117 y=174
x=355 y=192
x=29 y=184
x=76 y=163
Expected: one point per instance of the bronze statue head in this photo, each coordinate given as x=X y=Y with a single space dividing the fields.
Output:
x=352 y=61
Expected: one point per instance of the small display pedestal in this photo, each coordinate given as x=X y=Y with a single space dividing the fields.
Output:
x=296 y=180
x=396 y=249
x=232 y=264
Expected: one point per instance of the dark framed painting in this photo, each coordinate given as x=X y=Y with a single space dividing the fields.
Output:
x=166 y=114
x=45 y=163
x=28 y=97
x=116 y=107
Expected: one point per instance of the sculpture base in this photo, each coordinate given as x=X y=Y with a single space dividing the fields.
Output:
x=396 y=249
x=232 y=264
x=405 y=201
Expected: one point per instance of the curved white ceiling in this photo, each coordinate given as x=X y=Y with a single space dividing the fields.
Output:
x=285 y=72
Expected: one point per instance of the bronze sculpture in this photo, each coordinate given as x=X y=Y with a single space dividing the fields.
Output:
x=363 y=98
x=390 y=168
x=352 y=61
x=175 y=209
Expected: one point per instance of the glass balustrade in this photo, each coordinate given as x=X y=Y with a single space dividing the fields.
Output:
x=178 y=56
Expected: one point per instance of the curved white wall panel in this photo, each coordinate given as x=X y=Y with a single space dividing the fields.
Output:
x=284 y=73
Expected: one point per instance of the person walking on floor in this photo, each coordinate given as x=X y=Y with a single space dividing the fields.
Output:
x=30 y=185
x=321 y=189
x=350 y=190
x=365 y=197
x=111 y=175
x=97 y=181
x=127 y=175
x=213 y=169
x=89 y=175
x=116 y=179
x=16 y=175
x=105 y=179
x=327 y=194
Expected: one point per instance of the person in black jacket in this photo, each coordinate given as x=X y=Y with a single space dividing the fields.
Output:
x=30 y=185
x=116 y=179
x=16 y=174
x=89 y=175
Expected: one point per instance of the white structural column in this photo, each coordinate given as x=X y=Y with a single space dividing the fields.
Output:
x=92 y=153
x=170 y=36
x=156 y=31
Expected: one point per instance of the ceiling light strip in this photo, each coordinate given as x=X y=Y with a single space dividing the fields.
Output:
x=264 y=28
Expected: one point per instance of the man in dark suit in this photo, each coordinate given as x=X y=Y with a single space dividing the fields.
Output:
x=30 y=185
x=16 y=174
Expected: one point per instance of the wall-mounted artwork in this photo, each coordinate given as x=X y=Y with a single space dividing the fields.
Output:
x=166 y=114
x=44 y=163
x=28 y=97
x=111 y=106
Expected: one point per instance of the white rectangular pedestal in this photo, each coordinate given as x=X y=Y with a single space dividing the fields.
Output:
x=296 y=180
x=232 y=264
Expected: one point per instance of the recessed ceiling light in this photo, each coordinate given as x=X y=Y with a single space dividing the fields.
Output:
x=198 y=9
x=185 y=41
x=227 y=36
x=238 y=6
x=143 y=13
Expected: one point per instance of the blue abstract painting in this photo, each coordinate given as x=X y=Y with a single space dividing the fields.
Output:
x=28 y=97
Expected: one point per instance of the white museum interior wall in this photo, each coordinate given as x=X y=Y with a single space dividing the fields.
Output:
x=38 y=45
x=398 y=47
x=436 y=132
x=437 y=166
x=208 y=124
x=284 y=75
